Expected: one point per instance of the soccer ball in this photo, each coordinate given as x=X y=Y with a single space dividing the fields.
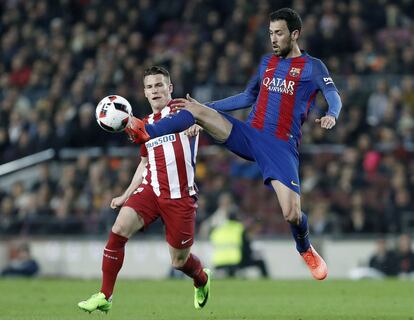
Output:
x=113 y=113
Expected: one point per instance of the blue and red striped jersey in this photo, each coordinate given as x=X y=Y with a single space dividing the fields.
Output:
x=282 y=93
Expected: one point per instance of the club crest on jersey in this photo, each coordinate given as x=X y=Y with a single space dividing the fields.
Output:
x=294 y=72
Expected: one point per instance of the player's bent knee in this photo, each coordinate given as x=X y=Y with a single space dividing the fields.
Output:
x=292 y=215
x=178 y=263
x=121 y=230
x=179 y=258
x=127 y=222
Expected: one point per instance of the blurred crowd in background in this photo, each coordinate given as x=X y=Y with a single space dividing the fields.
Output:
x=59 y=58
x=393 y=261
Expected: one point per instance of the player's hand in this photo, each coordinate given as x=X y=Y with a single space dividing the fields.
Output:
x=194 y=130
x=118 y=202
x=189 y=98
x=327 y=122
x=179 y=103
x=186 y=103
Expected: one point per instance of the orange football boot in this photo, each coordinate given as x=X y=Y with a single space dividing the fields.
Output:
x=315 y=263
x=136 y=131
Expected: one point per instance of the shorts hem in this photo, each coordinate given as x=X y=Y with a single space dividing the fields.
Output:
x=268 y=181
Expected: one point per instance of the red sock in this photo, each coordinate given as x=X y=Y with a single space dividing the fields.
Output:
x=113 y=258
x=194 y=269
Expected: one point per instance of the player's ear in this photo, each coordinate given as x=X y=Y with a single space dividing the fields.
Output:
x=145 y=91
x=295 y=34
x=170 y=87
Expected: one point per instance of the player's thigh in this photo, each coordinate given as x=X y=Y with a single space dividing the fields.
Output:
x=144 y=203
x=289 y=201
x=178 y=256
x=212 y=122
x=128 y=222
x=178 y=216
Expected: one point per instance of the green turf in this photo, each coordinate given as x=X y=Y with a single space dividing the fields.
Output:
x=231 y=299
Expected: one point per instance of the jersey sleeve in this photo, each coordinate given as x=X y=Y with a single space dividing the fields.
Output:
x=143 y=150
x=321 y=77
x=324 y=82
x=239 y=101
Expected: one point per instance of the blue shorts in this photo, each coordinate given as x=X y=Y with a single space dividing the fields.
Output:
x=277 y=159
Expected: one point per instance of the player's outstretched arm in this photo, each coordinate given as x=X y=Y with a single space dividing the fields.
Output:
x=190 y=104
x=324 y=82
x=214 y=123
x=239 y=101
x=334 y=108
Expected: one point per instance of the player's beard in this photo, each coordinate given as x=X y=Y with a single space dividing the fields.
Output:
x=283 y=52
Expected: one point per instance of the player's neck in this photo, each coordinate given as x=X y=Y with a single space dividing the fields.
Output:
x=157 y=109
x=294 y=53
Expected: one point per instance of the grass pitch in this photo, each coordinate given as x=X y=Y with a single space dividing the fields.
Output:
x=41 y=299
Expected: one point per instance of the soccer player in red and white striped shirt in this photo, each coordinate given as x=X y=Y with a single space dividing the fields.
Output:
x=162 y=187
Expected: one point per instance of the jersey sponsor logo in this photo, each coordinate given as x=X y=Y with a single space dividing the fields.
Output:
x=279 y=85
x=328 y=80
x=161 y=140
x=185 y=241
x=294 y=72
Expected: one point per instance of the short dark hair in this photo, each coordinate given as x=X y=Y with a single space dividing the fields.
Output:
x=292 y=18
x=153 y=70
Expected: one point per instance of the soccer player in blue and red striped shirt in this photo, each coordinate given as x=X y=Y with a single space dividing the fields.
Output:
x=282 y=93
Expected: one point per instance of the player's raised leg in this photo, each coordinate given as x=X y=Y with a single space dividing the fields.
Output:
x=190 y=264
x=191 y=111
x=126 y=224
x=213 y=122
x=290 y=204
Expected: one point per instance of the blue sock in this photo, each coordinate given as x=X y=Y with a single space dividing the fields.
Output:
x=300 y=233
x=173 y=123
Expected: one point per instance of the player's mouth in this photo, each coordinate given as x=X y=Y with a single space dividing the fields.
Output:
x=156 y=98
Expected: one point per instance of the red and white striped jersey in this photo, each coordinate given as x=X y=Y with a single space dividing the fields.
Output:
x=171 y=161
